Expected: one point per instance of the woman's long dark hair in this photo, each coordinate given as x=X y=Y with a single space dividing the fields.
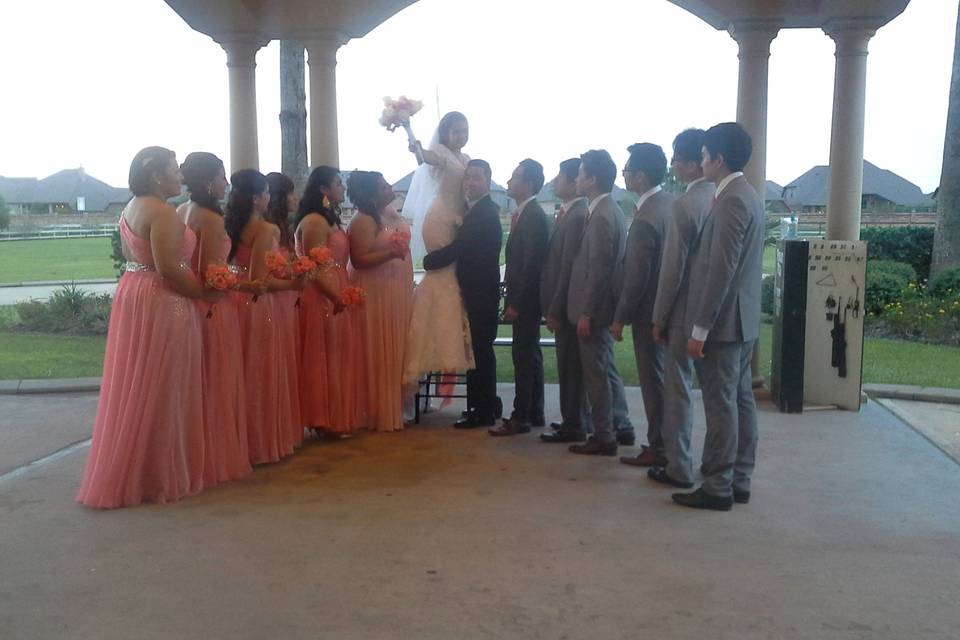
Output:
x=278 y=212
x=245 y=186
x=363 y=188
x=199 y=169
x=312 y=201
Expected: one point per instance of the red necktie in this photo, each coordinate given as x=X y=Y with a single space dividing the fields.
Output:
x=513 y=219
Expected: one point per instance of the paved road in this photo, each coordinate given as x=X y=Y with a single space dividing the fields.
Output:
x=11 y=295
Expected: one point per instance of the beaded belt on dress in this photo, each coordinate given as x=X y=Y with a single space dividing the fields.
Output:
x=237 y=269
x=136 y=267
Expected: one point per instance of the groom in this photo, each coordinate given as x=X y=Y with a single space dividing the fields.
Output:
x=476 y=250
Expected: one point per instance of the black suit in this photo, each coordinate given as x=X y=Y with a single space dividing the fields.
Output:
x=476 y=250
x=526 y=253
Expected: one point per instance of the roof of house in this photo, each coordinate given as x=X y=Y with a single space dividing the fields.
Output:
x=774 y=191
x=812 y=188
x=63 y=187
x=403 y=185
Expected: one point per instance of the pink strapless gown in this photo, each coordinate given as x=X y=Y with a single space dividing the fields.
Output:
x=386 y=322
x=270 y=412
x=343 y=348
x=288 y=326
x=224 y=413
x=314 y=394
x=148 y=443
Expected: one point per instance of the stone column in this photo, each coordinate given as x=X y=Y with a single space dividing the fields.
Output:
x=322 y=59
x=754 y=38
x=846 y=137
x=241 y=64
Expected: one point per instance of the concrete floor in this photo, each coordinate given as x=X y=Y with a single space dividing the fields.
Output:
x=853 y=532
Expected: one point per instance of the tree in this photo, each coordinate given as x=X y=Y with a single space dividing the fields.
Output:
x=293 y=113
x=4 y=215
x=946 y=242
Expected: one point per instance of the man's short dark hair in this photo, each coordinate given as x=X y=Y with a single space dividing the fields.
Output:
x=648 y=158
x=533 y=173
x=569 y=168
x=484 y=166
x=598 y=164
x=687 y=145
x=730 y=140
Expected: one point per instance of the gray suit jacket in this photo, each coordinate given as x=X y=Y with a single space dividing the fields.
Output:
x=598 y=268
x=564 y=244
x=689 y=213
x=725 y=270
x=641 y=267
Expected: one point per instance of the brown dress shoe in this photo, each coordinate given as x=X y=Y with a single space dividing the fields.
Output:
x=647 y=458
x=594 y=447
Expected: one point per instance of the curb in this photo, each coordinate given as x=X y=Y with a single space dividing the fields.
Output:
x=911 y=421
x=53 y=385
x=56 y=283
x=909 y=392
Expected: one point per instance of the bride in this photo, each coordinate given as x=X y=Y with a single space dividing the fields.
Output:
x=439 y=338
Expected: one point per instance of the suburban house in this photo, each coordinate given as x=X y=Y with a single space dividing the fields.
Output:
x=70 y=191
x=402 y=186
x=883 y=191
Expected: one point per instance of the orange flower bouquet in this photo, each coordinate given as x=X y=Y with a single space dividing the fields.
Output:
x=219 y=278
x=322 y=258
x=353 y=297
x=277 y=264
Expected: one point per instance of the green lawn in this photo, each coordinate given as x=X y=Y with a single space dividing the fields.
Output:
x=31 y=355
x=59 y=259
x=26 y=355
x=770 y=260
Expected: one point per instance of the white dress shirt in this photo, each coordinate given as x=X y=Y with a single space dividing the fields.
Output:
x=646 y=195
x=593 y=203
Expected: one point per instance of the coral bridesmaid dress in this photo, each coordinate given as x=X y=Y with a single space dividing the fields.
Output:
x=270 y=411
x=226 y=454
x=148 y=438
x=386 y=322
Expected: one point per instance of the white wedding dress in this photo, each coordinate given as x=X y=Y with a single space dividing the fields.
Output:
x=439 y=338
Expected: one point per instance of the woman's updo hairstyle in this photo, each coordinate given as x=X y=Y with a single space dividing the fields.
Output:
x=363 y=189
x=199 y=169
x=147 y=164
x=446 y=124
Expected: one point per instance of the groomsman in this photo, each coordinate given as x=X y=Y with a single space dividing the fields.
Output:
x=476 y=251
x=526 y=248
x=687 y=218
x=565 y=238
x=591 y=300
x=723 y=318
x=643 y=175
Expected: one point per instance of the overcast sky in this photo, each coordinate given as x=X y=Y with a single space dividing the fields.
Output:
x=89 y=83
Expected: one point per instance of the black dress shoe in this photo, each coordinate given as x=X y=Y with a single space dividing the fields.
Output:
x=510 y=428
x=556 y=426
x=626 y=438
x=560 y=435
x=594 y=447
x=700 y=499
x=659 y=474
x=474 y=421
x=741 y=497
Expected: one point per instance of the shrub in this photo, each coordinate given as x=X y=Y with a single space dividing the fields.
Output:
x=913 y=245
x=4 y=215
x=920 y=318
x=945 y=285
x=70 y=310
x=900 y=269
x=117 y=251
x=883 y=288
x=766 y=294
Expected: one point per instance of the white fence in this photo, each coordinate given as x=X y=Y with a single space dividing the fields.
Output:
x=66 y=231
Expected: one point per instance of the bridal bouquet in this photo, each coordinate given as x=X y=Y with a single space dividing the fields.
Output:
x=277 y=264
x=397 y=113
x=322 y=259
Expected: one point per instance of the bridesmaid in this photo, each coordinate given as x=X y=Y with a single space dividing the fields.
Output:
x=284 y=200
x=381 y=264
x=225 y=421
x=270 y=412
x=332 y=349
x=148 y=438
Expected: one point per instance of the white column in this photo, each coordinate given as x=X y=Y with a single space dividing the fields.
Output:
x=754 y=38
x=322 y=60
x=846 y=137
x=242 y=64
